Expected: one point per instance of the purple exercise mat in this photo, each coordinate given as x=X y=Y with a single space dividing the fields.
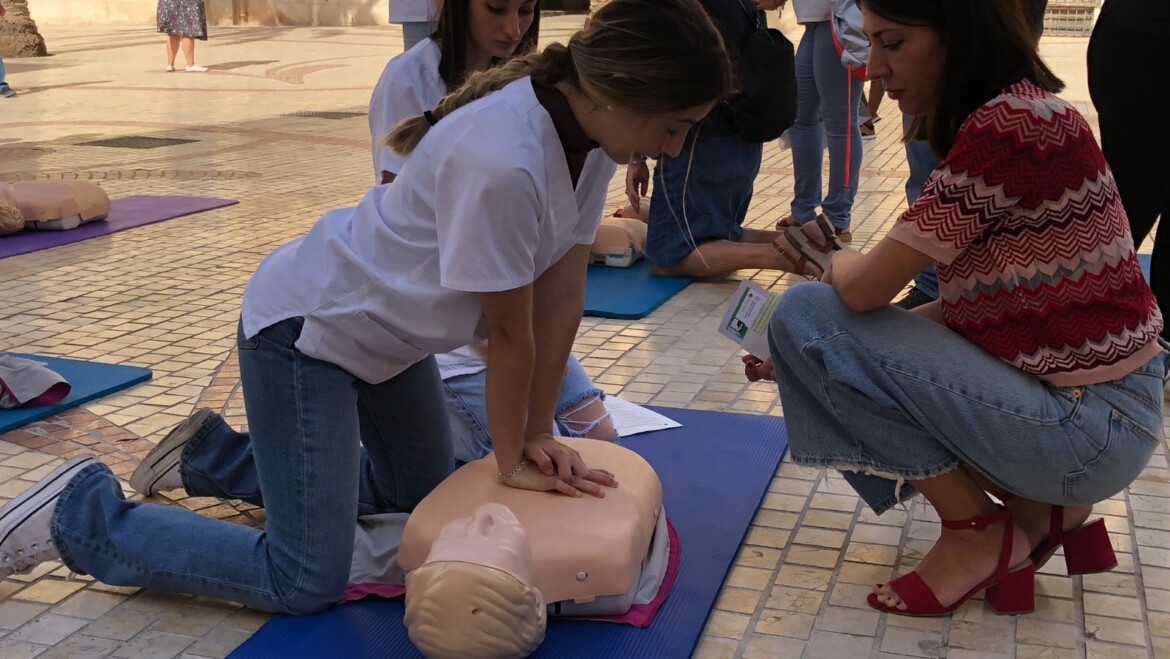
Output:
x=125 y=213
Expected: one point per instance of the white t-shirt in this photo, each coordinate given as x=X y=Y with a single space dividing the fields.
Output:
x=485 y=203
x=410 y=83
x=810 y=11
x=413 y=11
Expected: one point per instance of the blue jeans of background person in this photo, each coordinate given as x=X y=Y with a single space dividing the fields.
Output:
x=467 y=405
x=717 y=183
x=922 y=162
x=888 y=395
x=306 y=417
x=3 y=72
x=826 y=97
x=414 y=32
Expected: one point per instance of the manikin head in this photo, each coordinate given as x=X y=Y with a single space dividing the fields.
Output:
x=472 y=597
x=11 y=219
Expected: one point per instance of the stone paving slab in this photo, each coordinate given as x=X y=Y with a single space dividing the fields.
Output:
x=166 y=296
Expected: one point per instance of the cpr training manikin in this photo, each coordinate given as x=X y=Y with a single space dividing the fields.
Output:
x=484 y=564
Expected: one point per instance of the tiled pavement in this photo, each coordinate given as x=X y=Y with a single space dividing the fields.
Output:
x=167 y=296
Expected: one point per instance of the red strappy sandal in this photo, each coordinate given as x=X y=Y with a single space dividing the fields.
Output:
x=1007 y=592
x=1087 y=548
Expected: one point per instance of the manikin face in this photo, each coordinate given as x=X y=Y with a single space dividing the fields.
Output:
x=497 y=27
x=625 y=136
x=492 y=536
x=909 y=58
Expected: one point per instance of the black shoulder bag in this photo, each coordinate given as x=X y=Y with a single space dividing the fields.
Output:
x=766 y=104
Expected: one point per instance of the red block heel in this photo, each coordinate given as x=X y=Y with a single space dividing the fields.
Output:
x=1016 y=593
x=1087 y=549
x=1007 y=592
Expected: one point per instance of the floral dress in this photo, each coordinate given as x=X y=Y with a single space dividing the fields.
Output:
x=185 y=18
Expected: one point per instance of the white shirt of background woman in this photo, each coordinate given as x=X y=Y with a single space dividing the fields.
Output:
x=410 y=83
x=485 y=203
x=812 y=11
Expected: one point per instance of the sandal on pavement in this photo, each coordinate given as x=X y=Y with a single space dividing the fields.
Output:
x=785 y=222
x=1008 y=592
x=1087 y=548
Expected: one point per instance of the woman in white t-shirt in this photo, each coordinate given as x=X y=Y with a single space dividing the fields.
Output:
x=485 y=224
x=472 y=36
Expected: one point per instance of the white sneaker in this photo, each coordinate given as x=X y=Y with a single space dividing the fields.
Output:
x=159 y=470
x=25 y=540
x=170 y=68
x=195 y=68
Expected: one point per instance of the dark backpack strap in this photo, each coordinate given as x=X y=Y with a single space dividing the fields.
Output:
x=753 y=13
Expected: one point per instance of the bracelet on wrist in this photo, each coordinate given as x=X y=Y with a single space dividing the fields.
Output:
x=504 y=478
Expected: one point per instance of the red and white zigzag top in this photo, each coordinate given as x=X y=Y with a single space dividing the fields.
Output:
x=1035 y=260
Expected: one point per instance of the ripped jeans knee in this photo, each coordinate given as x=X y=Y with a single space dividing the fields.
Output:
x=587 y=417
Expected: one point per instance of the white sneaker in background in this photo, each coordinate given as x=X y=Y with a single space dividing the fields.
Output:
x=195 y=68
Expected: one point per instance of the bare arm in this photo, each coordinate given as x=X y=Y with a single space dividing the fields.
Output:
x=525 y=366
x=511 y=357
x=931 y=311
x=559 y=295
x=871 y=280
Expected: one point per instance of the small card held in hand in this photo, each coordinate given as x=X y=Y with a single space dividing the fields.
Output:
x=746 y=318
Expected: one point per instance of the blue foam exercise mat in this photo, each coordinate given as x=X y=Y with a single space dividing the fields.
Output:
x=628 y=293
x=715 y=470
x=89 y=381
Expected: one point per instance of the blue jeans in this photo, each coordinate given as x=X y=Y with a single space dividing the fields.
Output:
x=467 y=405
x=306 y=418
x=717 y=185
x=887 y=396
x=922 y=162
x=827 y=99
x=3 y=72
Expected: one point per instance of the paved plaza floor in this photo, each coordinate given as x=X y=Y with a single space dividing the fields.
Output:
x=278 y=123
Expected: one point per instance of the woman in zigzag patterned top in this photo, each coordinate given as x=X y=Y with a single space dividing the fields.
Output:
x=1036 y=378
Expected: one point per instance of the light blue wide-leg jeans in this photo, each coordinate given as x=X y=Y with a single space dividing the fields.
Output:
x=887 y=396
x=827 y=99
x=305 y=418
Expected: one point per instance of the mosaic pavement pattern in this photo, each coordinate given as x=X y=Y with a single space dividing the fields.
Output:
x=278 y=124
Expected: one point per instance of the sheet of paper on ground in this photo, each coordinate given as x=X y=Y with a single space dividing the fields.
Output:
x=746 y=318
x=632 y=419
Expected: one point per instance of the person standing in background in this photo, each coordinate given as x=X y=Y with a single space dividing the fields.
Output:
x=5 y=90
x=183 y=21
x=1128 y=43
x=419 y=19
x=828 y=98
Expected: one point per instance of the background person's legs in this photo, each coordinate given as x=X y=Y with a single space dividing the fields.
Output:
x=188 y=46
x=840 y=95
x=172 y=49
x=1133 y=147
x=806 y=136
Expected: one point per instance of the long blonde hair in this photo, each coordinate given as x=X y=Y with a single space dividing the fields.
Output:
x=645 y=57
